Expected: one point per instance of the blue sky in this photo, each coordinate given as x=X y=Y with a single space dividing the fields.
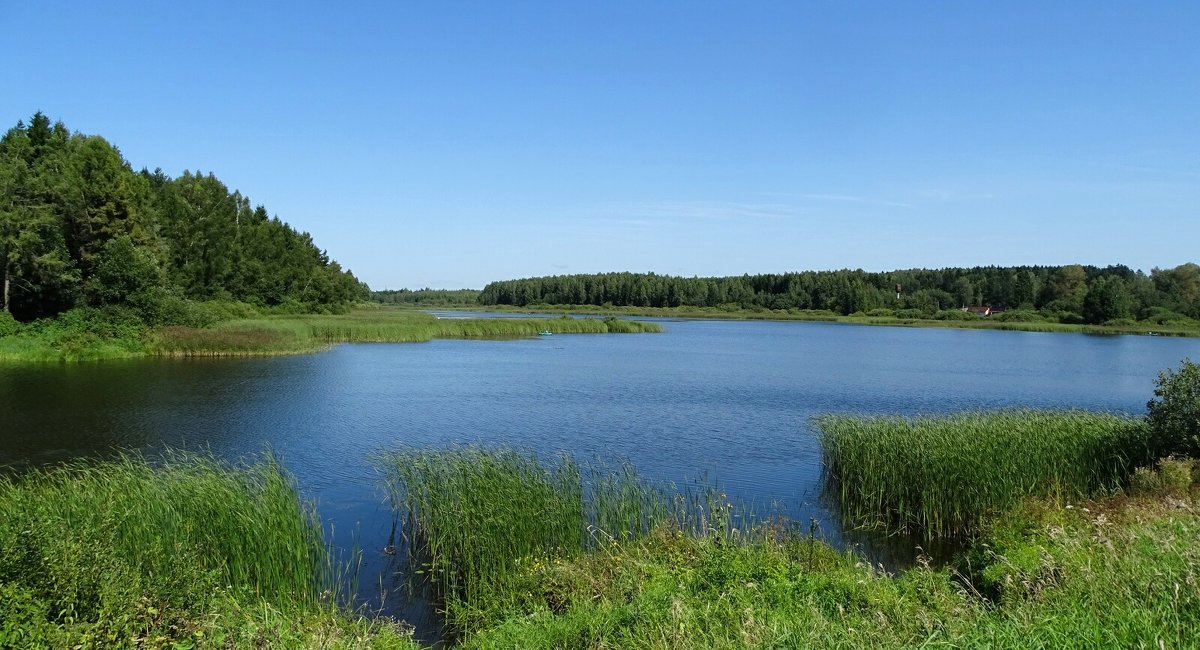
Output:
x=448 y=144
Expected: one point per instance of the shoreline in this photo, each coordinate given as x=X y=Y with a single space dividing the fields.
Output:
x=294 y=334
x=688 y=313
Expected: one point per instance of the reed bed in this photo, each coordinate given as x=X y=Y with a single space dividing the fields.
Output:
x=183 y=552
x=943 y=476
x=239 y=338
x=306 y=333
x=76 y=532
x=475 y=518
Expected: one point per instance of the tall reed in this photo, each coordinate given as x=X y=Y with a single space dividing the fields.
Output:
x=304 y=333
x=943 y=475
x=93 y=538
x=475 y=516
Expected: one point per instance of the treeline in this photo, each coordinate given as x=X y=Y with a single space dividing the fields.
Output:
x=1072 y=294
x=80 y=228
x=428 y=297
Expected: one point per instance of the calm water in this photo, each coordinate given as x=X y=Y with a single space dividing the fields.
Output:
x=730 y=400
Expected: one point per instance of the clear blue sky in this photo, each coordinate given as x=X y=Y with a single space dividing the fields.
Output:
x=448 y=144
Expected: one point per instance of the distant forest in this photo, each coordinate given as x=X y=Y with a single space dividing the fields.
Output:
x=79 y=228
x=427 y=297
x=1072 y=294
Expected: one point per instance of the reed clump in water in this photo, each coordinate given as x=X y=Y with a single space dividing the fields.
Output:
x=101 y=554
x=943 y=476
x=307 y=333
x=477 y=518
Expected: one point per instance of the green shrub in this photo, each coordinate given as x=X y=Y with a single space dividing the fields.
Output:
x=8 y=324
x=1164 y=316
x=955 y=315
x=1019 y=316
x=1176 y=473
x=1173 y=415
x=1145 y=481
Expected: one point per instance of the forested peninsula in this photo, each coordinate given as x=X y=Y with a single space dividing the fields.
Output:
x=100 y=261
x=79 y=228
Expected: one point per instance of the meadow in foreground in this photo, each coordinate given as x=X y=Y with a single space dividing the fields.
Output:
x=195 y=553
x=521 y=561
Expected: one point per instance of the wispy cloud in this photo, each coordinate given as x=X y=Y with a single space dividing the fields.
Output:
x=845 y=198
x=1158 y=171
x=942 y=194
x=648 y=214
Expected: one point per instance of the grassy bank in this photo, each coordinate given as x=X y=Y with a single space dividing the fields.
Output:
x=97 y=337
x=948 y=475
x=1113 y=573
x=192 y=553
x=527 y=566
x=554 y=554
x=951 y=319
x=477 y=517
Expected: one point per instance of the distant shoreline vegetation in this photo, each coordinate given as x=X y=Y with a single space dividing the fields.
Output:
x=1073 y=298
x=948 y=318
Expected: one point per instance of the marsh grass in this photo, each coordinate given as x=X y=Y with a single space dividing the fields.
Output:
x=245 y=526
x=1115 y=573
x=476 y=517
x=734 y=312
x=126 y=553
x=944 y=476
x=307 y=333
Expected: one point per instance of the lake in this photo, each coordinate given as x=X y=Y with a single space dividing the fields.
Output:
x=727 y=400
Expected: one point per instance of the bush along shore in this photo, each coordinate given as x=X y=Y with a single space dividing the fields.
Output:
x=1090 y=539
x=236 y=329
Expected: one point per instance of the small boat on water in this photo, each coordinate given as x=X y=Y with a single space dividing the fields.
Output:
x=545 y=333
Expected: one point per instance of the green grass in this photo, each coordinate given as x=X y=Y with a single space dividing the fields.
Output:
x=1109 y=574
x=307 y=333
x=476 y=517
x=947 y=475
x=84 y=334
x=193 y=552
x=826 y=316
x=92 y=335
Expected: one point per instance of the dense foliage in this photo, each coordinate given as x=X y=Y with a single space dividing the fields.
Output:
x=1173 y=415
x=80 y=228
x=1071 y=293
x=428 y=297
